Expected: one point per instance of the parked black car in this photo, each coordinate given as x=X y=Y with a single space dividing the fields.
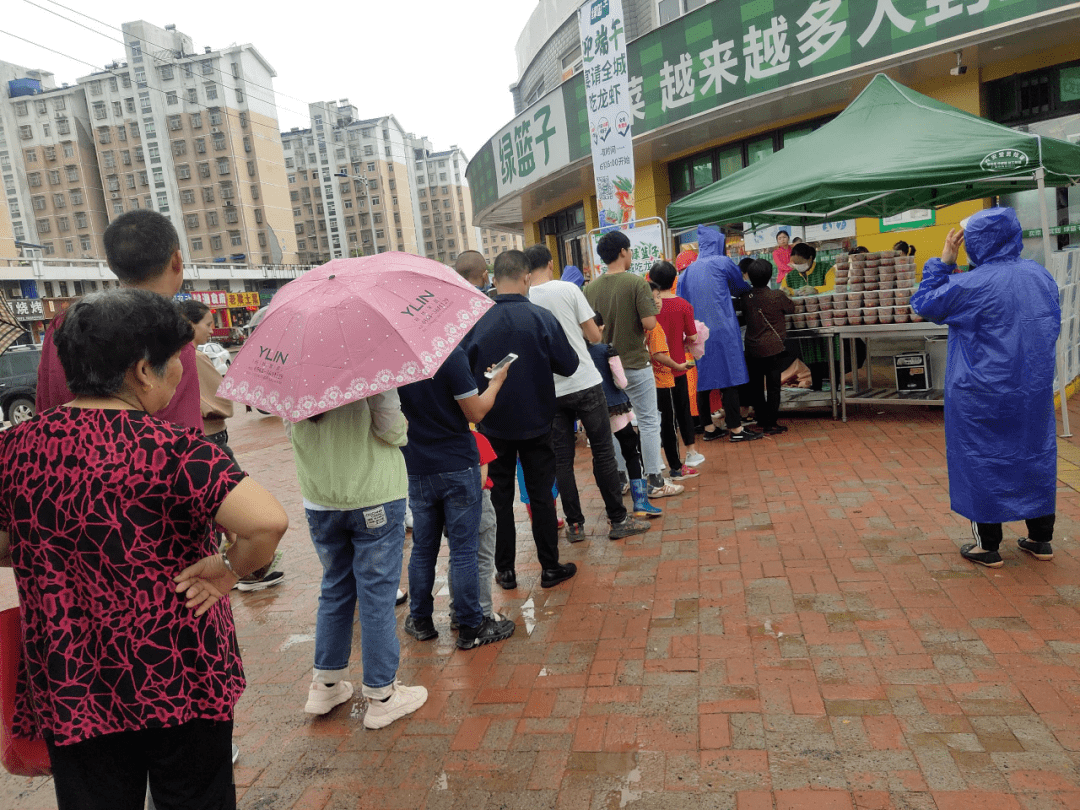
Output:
x=18 y=382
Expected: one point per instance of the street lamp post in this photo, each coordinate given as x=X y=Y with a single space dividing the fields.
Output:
x=367 y=199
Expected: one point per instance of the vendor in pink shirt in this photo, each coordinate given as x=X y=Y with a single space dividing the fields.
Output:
x=781 y=254
x=143 y=250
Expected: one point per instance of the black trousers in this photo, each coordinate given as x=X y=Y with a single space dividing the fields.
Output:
x=589 y=406
x=538 y=465
x=630 y=445
x=189 y=768
x=765 y=386
x=988 y=535
x=684 y=419
x=732 y=416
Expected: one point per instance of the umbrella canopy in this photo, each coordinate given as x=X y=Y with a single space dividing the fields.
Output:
x=351 y=329
x=890 y=151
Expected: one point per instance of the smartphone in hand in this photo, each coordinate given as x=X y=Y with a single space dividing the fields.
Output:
x=510 y=358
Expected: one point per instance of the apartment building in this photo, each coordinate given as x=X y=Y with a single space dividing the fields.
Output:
x=364 y=186
x=493 y=242
x=53 y=189
x=194 y=136
x=350 y=184
x=7 y=235
x=444 y=195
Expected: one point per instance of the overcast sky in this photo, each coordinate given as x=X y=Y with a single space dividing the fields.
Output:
x=444 y=68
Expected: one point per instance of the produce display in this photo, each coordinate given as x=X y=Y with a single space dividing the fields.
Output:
x=871 y=288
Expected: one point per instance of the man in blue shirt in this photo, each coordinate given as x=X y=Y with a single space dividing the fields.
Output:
x=519 y=423
x=445 y=491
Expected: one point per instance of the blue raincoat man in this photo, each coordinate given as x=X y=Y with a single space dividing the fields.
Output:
x=572 y=274
x=1003 y=319
x=708 y=284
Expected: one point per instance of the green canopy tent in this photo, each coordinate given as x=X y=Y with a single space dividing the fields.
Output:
x=890 y=151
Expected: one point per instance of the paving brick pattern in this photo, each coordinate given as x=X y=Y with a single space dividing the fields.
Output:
x=798 y=632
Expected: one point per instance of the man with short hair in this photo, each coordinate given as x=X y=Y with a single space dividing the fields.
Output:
x=579 y=397
x=519 y=423
x=143 y=250
x=472 y=266
x=626 y=304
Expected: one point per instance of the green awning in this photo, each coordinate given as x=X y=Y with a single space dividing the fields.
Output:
x=890 y=151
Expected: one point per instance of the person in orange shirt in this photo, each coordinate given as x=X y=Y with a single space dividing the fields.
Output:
x=663 y=366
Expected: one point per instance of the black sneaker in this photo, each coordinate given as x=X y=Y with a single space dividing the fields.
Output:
x=745 y=436
x=774 y=430
x=575 y=532
x=990 y=559
x=420 y=629
x=261 y=583
x=489 y=631
x=1040 y=551
x=713 y=435
x=402 y=598
x=628 y=526
x=553 y=576
x=506 y=579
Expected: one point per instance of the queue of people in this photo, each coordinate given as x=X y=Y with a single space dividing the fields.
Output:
x=124 y=498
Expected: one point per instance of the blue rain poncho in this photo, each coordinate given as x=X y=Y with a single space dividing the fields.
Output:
x=572 y=274
x=1003 y=319
x=708 y=285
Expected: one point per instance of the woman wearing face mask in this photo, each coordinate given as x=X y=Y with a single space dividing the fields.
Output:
x=806 y=272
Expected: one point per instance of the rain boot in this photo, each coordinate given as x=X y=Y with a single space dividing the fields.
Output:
x=639 y=489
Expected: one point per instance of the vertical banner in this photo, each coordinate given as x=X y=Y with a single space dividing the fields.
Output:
x=607 y=94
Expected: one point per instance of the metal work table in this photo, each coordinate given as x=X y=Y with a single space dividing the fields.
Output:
x=869 y=333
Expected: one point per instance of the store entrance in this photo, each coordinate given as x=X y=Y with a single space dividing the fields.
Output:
x=568 y=228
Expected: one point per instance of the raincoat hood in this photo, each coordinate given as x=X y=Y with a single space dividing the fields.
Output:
x=993 y=235
x=573 y=275
x=710 y=242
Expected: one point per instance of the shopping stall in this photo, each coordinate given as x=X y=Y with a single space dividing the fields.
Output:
x=891 y=151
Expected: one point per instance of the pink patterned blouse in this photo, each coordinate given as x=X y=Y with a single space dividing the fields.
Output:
x=104 y=508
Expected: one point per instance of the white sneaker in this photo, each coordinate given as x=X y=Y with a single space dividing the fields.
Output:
x=408 y=518
x=402 y=701
x=694 y=459
x=322 y=698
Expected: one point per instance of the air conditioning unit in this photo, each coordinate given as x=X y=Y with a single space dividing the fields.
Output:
x=116 y=195
x=215 y=130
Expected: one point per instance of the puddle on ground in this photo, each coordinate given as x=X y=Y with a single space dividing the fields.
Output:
x=528 y=615
x=626 y=794
x=297 y=638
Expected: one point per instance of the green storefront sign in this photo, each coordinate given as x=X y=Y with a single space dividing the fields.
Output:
x=725 y=52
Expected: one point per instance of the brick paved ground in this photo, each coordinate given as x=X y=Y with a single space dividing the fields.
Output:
x=798 y=632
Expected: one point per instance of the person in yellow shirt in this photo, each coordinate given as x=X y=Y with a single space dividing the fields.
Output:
x=806 y=272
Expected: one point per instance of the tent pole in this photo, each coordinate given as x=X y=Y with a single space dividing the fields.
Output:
x=1044 y=213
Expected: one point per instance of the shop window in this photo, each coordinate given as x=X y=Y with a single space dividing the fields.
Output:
x=1037 y=96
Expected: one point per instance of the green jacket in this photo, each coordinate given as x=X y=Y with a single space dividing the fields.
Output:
x=349 y=458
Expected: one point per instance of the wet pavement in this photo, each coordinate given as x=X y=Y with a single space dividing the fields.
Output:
x=798 y=632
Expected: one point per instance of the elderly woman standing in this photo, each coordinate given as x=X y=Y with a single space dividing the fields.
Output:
x=106 y=516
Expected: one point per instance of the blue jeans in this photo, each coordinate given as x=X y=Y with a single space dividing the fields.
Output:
x=485 y=560
x=641 y=388
x=453 y=500
x=360 y=551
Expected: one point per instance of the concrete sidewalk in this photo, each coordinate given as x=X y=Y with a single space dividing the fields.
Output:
x=797 y=631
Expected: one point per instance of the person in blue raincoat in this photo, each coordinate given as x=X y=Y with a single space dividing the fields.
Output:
x=1003 y=319
x=572 y=274
x=708 y=284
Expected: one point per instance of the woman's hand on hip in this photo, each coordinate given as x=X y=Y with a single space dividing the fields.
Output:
x=204 y=583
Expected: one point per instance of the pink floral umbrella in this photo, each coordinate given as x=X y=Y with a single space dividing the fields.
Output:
x=351 y=329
